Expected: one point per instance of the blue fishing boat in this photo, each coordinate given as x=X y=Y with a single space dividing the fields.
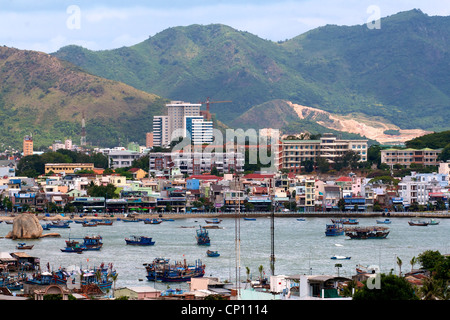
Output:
x=203 y=237
x=162 y=270
x=139 y=241
x=335 y=229
x=433 y=222
x=385 y=221
x=345 y=221
x=58 y=224
x=152 y=221
x=90 y=243
x=301 y=219
x=23 y=246
x=90 y=224
x=210 y=253
x=250 y=219
x=73 y=249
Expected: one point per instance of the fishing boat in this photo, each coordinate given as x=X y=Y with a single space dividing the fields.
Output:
x=418 y=223
x=345 y=221
x=301 y=219
x=371 y=232
x=433 y=222
x=76 y=248
x=24 y=246
x=105 y=222
x=165 y=219
x=45 y=227
x=385 y=221
x=335 y=257
x=152 y=221
x=203 y=237
x=213 y=220
x=139 y=241
x=210 y=253
x=9 y=221
x=335 y=229
x=58 y=224
x=90 y=243
x=131 y=220
x=162 y=270
x=90 y=224
x=250 y=219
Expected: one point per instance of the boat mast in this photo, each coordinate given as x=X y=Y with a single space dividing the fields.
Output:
x=272 y=231
x=237 y=232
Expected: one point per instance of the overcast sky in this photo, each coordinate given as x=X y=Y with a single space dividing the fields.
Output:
x=47 y=25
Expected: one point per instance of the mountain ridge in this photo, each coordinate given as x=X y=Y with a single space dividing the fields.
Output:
x=399 y=72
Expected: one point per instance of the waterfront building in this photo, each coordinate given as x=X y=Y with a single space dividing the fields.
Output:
x=292 y=153
x=405 y=157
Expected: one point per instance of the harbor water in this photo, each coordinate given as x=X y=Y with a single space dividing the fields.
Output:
x=300 y=247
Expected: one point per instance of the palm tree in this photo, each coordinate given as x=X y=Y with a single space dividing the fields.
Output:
x=399 y=263
x=114 y=279
x=261 y=270
x=431 y=289
x=413 y=262
x=247 y=271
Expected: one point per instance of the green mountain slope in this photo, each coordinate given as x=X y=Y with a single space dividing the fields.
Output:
x=44 y=96
x=400 y=72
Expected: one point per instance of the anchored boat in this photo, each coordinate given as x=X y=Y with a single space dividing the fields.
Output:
x=162 y=270
x=139 y=241
x=375 y=232
x=203 y=237
x=335 y=229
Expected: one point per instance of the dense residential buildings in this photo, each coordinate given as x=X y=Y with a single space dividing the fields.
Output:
x=405 y=157
x=122 y=158
x=291 y=153
x=197 y=162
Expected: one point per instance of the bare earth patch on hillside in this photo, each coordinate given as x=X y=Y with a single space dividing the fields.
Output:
x=360 y=124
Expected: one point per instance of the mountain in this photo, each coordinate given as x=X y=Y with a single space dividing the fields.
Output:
x=400 y=72
x=44 y=96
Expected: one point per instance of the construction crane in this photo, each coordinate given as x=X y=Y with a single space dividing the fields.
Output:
x=206 y=112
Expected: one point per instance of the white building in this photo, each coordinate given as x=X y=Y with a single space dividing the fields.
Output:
x=413 y=191
x=121 y=159
x=199 y=130
x=161 y=135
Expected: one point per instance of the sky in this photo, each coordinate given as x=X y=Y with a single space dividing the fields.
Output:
x=47 y=25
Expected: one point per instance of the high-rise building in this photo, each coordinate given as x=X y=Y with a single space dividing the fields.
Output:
x=149 y=139
x=199 y=130
x=160 y=131
x=166 y=128
x=28 y=146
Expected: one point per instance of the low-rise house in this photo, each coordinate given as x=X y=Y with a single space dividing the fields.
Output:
x=138 y=293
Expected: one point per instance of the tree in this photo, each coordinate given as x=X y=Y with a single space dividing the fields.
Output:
x=392 y=287
x=322 y=165
x=399 y=263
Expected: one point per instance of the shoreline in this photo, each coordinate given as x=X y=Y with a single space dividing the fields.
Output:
x=116 y=216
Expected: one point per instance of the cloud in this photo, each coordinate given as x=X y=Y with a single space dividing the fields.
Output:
x=113 y=23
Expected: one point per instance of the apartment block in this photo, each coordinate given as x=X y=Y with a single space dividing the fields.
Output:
x=199 y=130
x=27 y=146
x=161 y=136
x=291 y=153
x=121 y=159
x=405 y=157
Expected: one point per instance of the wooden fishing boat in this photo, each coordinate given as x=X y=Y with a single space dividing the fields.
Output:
x=213 y=220
x=130 y=220
x=203 y=237
x=250 y=219
x=371 y=232
x=345 y=221
x=212 y=254
x=162 y=270
x=90 y=224
x=73 y=249
x=139 y=241
x=58 y=224
x=106 y=222
x=385 y=221
x=152 y=221
x=24 y=246
x=418 y=223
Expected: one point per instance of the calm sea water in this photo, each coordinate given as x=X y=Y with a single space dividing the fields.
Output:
x=301 y=247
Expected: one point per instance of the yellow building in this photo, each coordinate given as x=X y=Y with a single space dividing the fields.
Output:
x=68 y=167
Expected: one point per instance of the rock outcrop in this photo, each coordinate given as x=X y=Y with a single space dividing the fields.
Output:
x=26 y=226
